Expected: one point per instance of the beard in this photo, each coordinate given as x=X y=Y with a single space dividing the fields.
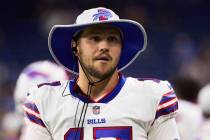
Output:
x=95 y=73
x=92 y=71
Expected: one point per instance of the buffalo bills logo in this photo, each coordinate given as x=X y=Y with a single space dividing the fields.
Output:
x=102 y=14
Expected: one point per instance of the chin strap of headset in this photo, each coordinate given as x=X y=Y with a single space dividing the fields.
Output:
x=91 y=83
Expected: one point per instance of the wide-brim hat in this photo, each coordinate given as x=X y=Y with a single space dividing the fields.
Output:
x=60 y=37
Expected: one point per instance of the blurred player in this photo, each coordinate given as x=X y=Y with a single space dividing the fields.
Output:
x=35 y=73
x=189 y=119
x=204 y=102
x=101 y=103
x=190 y=113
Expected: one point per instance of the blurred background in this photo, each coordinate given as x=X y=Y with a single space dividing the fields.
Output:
x=178 y=39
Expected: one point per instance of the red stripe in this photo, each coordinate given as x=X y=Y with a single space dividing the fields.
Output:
x=167 y=101
x=166 y=94
x=168 y=106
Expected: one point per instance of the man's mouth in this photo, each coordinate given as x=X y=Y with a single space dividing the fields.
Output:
x=103 y=58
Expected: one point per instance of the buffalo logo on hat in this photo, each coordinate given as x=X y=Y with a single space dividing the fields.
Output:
x=102 y=14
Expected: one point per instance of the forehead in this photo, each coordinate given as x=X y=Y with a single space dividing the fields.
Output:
x=101 y=29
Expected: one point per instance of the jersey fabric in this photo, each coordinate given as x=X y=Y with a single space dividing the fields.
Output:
x=136 y=109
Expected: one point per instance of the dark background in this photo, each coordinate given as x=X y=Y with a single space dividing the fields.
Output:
x=178 y=37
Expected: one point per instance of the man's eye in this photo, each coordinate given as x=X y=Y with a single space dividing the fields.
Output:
x=113 y=39
x=95 y=38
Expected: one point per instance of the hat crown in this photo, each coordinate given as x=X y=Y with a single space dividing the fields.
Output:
x=96 y=15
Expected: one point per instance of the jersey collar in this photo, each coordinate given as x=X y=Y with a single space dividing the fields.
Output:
x=76 y=91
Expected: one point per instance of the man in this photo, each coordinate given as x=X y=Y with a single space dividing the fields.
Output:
x=190 y=112
x=100 y=103
x=35 y=73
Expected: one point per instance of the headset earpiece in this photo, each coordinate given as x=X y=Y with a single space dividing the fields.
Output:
x=74 y=47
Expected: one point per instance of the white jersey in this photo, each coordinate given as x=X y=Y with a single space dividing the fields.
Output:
x=135 y=109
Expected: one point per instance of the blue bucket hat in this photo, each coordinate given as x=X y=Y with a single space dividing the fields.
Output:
x=60 y=37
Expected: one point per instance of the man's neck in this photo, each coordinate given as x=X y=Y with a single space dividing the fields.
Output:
x=98 y=89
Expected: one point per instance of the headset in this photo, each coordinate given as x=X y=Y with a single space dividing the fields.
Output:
x=74 y=47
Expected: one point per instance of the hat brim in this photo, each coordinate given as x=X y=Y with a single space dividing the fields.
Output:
x=59 y=42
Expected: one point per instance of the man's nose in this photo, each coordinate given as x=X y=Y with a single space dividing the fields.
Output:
x=103 y=46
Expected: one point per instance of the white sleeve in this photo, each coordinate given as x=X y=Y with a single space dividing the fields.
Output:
x=164 y=124
x=165 y=131
x=36 y=128
x=36 y=132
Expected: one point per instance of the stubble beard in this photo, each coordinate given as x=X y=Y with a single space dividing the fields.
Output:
x=92 y=71
x=95 y=73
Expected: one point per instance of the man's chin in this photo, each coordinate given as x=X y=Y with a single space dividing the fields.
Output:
x=102 y=74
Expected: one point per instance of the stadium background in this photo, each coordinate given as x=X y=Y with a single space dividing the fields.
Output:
x=178 y=37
